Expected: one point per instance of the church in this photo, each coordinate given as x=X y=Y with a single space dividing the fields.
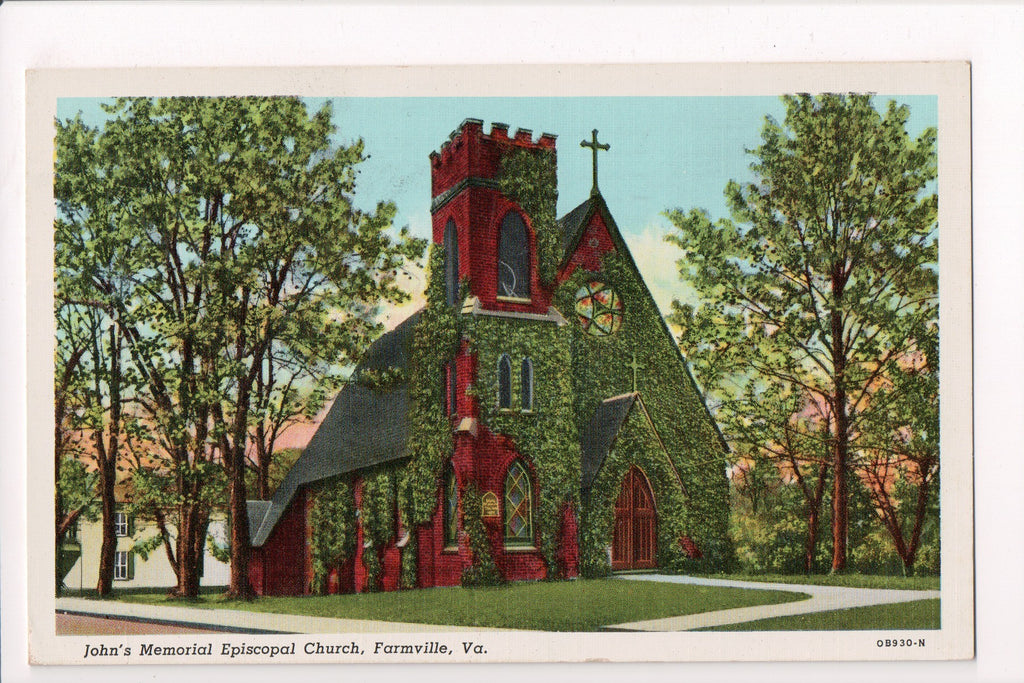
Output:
x=534 y=420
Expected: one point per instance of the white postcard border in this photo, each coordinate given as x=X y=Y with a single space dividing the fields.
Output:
x=950 y=81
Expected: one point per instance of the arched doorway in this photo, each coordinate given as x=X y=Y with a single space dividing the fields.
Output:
x=634 y=540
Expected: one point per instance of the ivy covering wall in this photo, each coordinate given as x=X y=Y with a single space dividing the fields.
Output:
x=546 y=436
x=332 y=517
x=573 y=372
x=601 y=368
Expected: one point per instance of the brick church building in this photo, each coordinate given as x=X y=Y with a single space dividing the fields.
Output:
x=557 y=432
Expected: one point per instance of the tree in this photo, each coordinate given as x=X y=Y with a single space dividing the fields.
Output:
x=814 y=285
x=240 y=247
x=900 y=447
x=92 y=385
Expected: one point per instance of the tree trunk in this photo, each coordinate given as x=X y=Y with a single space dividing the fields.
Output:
x=841 y=441
x=840 y=488
x=191 y=536
x=240 y=541
x=919 y=514
x=107 y=456
x=814 y=518
x=108 y=546
x=262 y=465
x=237 y=507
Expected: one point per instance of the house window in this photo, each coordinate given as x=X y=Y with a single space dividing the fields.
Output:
x=451 y=510
x=526 y=384
x=120 y=524
x=513 y=258
x=453 y=388
x=504 y=382
x=518 y=506
x=451 y=263
x=121 y=566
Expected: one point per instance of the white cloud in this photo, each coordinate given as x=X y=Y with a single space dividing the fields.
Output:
x=413 y=281
x=657 y=259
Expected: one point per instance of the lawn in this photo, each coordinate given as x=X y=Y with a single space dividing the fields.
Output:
x=911 y=583
x=920 y=614
x=581 y=605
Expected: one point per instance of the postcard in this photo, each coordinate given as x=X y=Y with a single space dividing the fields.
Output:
x=500 y=364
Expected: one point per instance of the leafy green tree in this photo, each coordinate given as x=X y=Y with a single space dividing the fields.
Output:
x=900 y=447
x=92 y=385
x=238 y=245
x=819 y=279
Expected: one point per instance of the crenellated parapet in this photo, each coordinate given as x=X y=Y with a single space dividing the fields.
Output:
x=472 y=157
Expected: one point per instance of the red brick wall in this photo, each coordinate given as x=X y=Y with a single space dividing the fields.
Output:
x=493 y=453
x=473 y=153
x=593 y=245
x=478 y=211
x=360 y=578
x=280 y=566
x=568 y=550
x=257 y=560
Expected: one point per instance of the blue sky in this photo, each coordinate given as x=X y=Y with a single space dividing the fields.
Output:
x=666 y=152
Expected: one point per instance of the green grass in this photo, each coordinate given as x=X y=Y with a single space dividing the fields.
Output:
x=848 y=580
x=919 y=614
x=581 y=605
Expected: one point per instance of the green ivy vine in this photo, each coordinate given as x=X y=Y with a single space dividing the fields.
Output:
x=333 y=534
x=566 y=394
x=483 y=571
x=547 y=436
x=378 y=519
x=601 y=368
x=529 y=178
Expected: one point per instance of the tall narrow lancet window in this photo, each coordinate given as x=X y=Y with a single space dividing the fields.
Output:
x=526 y=384
x=513 y=258
x=518 y=506
x=504 y=382
x=451 y=263
x=451 y=509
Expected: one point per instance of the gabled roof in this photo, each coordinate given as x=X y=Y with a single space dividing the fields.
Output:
x=597 y=439
x=256 y=510
x=573 y=225
x=364 y=427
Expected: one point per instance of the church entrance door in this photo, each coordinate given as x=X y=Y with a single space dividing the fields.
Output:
x=634 y=540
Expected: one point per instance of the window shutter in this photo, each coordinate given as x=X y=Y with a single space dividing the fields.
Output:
x=131 y=565
x=131 y=523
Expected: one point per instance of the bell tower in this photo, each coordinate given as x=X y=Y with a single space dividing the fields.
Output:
x=488 y=238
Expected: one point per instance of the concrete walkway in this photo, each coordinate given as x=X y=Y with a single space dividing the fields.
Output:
x=240 y=621
x=823 y=599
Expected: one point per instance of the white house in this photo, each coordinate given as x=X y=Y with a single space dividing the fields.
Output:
x=130 y=570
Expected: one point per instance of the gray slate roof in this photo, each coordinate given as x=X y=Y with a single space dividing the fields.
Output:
x=573 y=224
x=364 y=427
x=256 y=510
x=597 y=439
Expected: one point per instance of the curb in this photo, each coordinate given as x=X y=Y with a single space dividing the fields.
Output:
x=171 y=622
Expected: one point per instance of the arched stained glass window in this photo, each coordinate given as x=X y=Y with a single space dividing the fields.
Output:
x=526 y=384
x=518 y=505
x=451 y=509
x=504 y=382
x=451 y=263
x=513 y=258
